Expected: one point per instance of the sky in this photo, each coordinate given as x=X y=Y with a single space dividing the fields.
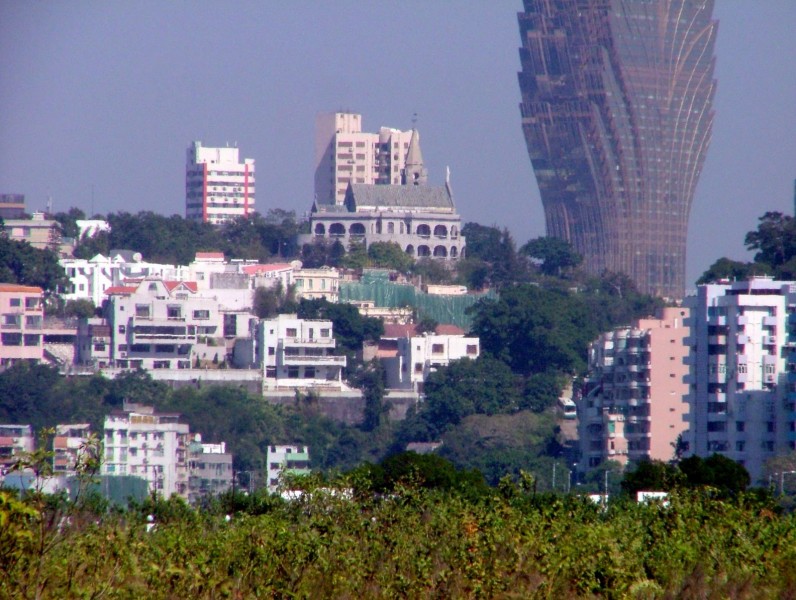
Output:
x=100 y=100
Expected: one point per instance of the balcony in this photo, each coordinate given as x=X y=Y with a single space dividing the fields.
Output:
x=717 y=340
x=314 y=341
x=769 y=321
x=769 y=341
x=330 y=360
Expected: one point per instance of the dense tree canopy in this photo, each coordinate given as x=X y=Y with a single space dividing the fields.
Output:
x=555 y=255
x=23 y=264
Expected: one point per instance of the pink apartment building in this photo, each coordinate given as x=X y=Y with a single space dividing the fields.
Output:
x=634 y=405
x=21 y=322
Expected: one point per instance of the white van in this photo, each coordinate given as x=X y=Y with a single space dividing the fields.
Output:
x=568 y=408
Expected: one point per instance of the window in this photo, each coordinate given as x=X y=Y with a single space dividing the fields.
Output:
x=771 y=426
x=292 y=372
x=739 y=446
x=325 y=333
x=271 y=351
x=418 y=367
x=740 y=426
x=472 y=349
x=15 y=302
x=291 y=332
x=201 y=314
x=121 y=329
x=174 y=311
x=437 y=348
x=142 y=310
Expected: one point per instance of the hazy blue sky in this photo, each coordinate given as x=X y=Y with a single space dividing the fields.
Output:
x=109 y=95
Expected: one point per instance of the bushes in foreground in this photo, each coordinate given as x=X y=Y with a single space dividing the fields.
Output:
x=414 y=542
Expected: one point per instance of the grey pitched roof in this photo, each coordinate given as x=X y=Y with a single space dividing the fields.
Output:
x=397 y=196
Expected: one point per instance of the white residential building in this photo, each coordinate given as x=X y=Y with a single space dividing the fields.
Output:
x=154 y=446
x=418 y=356
x=90 y=279
x=287 y=459
x=218 y=185
x=742 y=371
x=298 y=353
x=160 y=324
x=345 y=154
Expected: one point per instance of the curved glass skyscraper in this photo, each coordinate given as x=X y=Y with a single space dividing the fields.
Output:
x=617 y=113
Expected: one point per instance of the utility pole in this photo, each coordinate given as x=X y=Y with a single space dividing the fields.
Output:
x=554 y=477
x=606 y=485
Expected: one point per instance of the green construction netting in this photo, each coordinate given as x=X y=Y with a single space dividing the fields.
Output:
x=377 y=287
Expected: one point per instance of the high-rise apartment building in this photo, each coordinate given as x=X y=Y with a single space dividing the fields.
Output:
x=742 y=380
x=345 y=154
x=617 y=115
x=219 y=186
x=635 y=405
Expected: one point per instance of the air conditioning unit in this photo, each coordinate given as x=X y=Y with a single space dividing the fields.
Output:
x=771 y=378
x=123 y=354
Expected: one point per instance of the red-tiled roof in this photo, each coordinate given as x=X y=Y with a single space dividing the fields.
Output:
x=14 y=287
x=120 y=290
x=189 y=285
x=200 y=255
x=254 y=269
x=394 y=330
x=446 y=329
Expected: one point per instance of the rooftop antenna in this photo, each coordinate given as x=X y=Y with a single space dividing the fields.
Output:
x=49 y=205
x=414 y=120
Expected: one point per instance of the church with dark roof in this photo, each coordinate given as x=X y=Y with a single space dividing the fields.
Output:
x=421 y=218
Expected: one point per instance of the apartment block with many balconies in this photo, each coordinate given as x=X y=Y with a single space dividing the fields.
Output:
x=158 y=324
x=634 y=403
x=742 y=378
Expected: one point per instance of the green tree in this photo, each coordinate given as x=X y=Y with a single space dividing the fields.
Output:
x=724 y=268
x=80 y=308
x=774 y=239
x=534 y=330
x=356 y=257
x=716 y=471
x=68 y=221
x=23 y=264
x=652 y=475
x=389 y=255
x=555 y=255
x=432 y=271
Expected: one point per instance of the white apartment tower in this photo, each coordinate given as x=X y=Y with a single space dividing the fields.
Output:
x=742 y=379
x=218 y=185
x=345 y=154
x=154 y=446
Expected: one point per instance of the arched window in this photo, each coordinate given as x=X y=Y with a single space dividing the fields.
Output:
x=356 y=229
x=454 y=252
x=337 y=230
x=410 y=250
x=441 y=231
x=390 y=227
x=320 y=229
x=424 y=230
x=423 y=251
x=440 y=252
x=454 y=232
